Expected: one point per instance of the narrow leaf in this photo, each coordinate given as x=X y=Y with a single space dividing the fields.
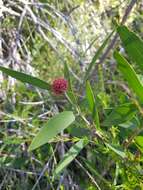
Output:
x=70 y=156
x=70 y=92
x=92 y=105
x=96 y=56
x=132 y=44
x=90 y=97
x=117 y=151
x=25 y=78
x=54 y=126
x=130 y=75
x=67 y=74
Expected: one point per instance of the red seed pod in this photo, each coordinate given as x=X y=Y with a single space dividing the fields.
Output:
x=59 y=86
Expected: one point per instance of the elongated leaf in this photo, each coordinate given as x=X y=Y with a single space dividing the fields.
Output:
x=25 y=78
x=54 y=126
x=96 y=56
x=132 y=44
x=120 y=114
x=130 y=75
x=92 y=105
x=70 y=155
x=67 y=74
x=116 y=150
x=90 y=97
x=70 y=92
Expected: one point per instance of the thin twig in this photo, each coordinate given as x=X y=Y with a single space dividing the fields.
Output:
x=43 y=172
x=113 y=42
x=4 y=180
x=88 y=174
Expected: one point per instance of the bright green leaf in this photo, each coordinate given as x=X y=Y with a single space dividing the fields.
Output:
x=130 y=75
x=92 y=105
x=54 y=126
x=90 y=97
x=139 y=142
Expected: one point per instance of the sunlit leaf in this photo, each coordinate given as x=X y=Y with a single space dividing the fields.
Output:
x=139 y=142
x=90 y=97
x=92 y=105
x=54 y=126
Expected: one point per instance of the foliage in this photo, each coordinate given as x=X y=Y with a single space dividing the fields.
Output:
x=90 y=137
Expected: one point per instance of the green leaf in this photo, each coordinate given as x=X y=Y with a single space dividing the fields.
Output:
x=70 y=156
x=117 y=151
x=70 y=92
x=96 y=56
x=25 y=78
x=92 y=105
x=132 y=44
x=67 y=74
x=130 y=75
x=79 y=130
x=54 y=126
x=139 y=142
x=90 y=97
x=120 y=114
x=130 y=124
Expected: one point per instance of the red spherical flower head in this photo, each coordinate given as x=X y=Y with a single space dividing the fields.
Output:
x=59 y=86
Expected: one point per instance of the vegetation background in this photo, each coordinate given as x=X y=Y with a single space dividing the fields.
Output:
x=74 y=39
